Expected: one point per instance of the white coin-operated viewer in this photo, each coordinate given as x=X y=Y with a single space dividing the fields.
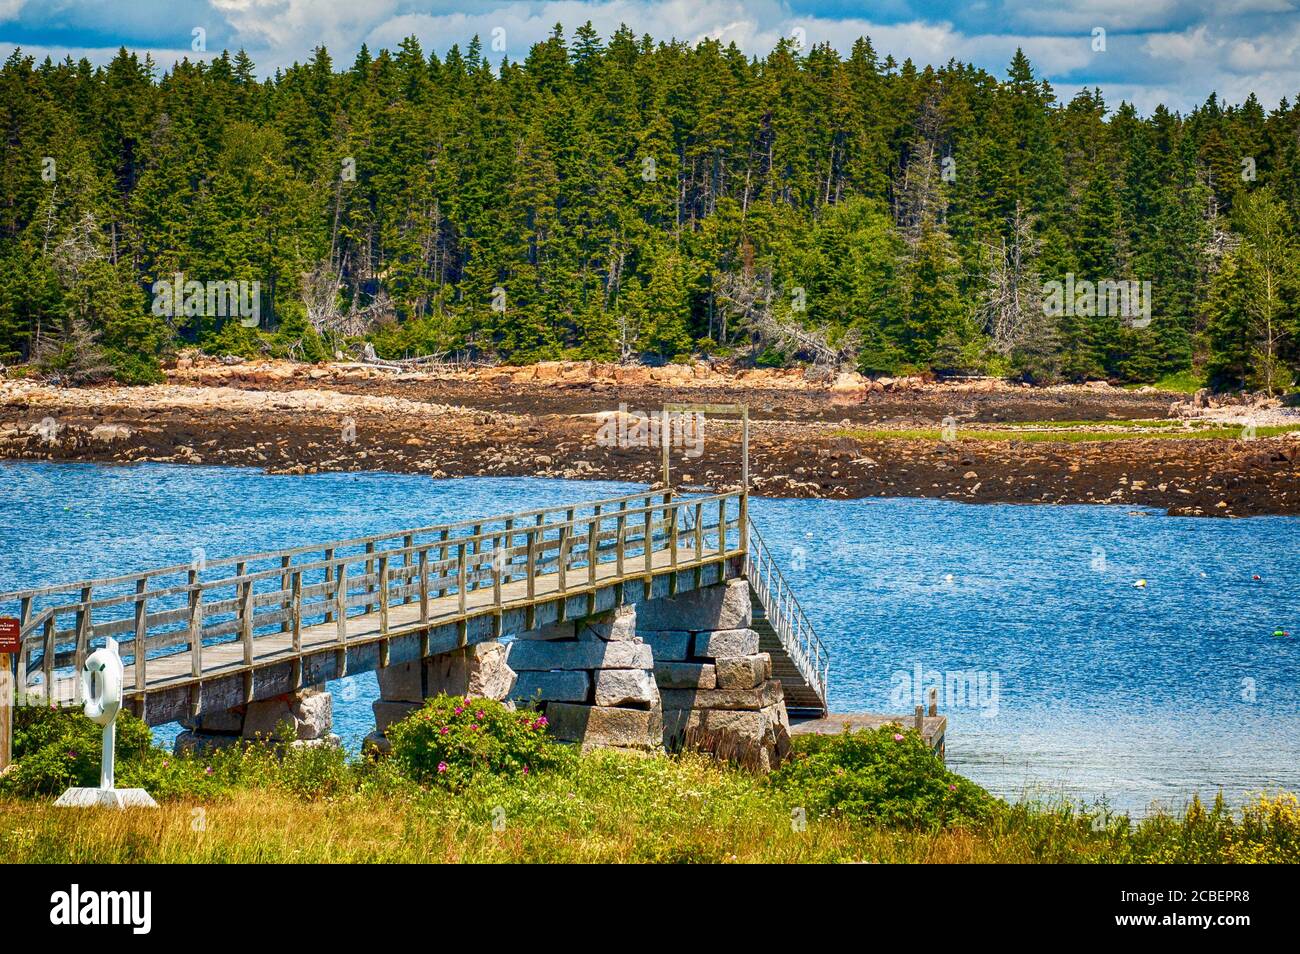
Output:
x=101 y=688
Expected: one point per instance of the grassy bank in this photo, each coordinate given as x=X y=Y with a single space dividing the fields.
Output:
x=501 y=792
x=1070 y=432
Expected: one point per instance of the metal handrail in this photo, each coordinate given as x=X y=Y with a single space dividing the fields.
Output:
x=800 y=642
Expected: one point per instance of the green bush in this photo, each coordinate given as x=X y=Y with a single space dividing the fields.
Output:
x=453 y=740
x=882 y=777
x=56 y=749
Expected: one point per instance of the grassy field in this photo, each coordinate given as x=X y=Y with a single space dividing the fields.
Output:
x=316 y=807
x=1070 y=432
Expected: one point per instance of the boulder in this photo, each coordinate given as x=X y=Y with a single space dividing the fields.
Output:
x=634 y=688
x=596 y=654
x=723 y=643
x=565 y=686
x=554 y=631
x=722 y=606
x=685 y=675
x=221 y=722
x=480 y=671
x=605 y=725
x=314 y=711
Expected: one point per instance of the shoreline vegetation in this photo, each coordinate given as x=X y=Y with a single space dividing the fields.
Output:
x=510 y=795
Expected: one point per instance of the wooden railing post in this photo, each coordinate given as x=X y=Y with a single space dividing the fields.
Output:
x=477 y=543
x=408 y=542
x=295 y=611
x=670 y=517
x=722 y=526
x=648 y=549
x=442 y=558
x=47 y=660
x=341 y=602
x=141 y=628
x=699 y=531
x=284 y=590
x=620 y=550
x=370 y=569
x=84 y=625
x=592 y=545
x=245 y=613
x=461 y=576
x=195 y=629
x=423 y=571
x=498 y=565
x=383 y=594
x=532 y=564
x=329 y=577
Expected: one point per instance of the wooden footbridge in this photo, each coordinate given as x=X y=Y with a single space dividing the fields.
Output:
x=205 y=637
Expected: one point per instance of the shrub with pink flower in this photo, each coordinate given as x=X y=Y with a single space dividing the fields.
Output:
x=453 y=740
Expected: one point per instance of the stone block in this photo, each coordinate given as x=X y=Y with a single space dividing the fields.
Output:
x=386 y=713
x=634 y=688
x=605 y=726
x=566 y=630
x=743 y=672
x=685 y=675
x=563 y=686
x=220 y=722
x=403 y=682
x=376 y=743
x=618 y=624
x=671 y=644
x=193 y=742
x=716 y=644
x=769 y=694
x=596 y=654
x=723 y=606
x=267 y=719
x=119 y=798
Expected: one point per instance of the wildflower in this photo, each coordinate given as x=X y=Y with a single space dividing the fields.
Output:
x=459 y=710
x=473 y=726
x=207 y=770
x=443 y=730
x=71 y=754
x=525 y=769
x=898 y=737
x=442 y=767
x=479 y=715
x=952 y=788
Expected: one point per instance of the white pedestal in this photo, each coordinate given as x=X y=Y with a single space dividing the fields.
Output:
x=106 y=798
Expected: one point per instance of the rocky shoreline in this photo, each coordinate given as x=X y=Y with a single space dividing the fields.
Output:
x=837 y=439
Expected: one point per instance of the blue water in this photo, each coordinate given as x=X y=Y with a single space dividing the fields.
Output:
x=1077 y=683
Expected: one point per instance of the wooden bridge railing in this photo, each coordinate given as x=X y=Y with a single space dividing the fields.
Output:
x=166 y=612
x=787 y=617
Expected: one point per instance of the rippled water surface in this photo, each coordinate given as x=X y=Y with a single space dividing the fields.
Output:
x=1060 y=677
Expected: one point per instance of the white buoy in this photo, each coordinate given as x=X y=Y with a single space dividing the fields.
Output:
x=101 y=687
x=1140 y=584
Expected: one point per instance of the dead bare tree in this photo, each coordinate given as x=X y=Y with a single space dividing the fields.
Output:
x=749 y=297
x=1012 y=305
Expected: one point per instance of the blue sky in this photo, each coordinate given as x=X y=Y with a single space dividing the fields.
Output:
x=1171 y=51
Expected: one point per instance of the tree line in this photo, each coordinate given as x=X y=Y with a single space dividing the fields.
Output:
x=626 y=199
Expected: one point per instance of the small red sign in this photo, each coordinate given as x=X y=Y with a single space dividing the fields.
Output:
x=9 y=635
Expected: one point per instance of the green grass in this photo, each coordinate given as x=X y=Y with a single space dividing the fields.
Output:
x=1060 y=432
x=1182 y=382
x=862 y=797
